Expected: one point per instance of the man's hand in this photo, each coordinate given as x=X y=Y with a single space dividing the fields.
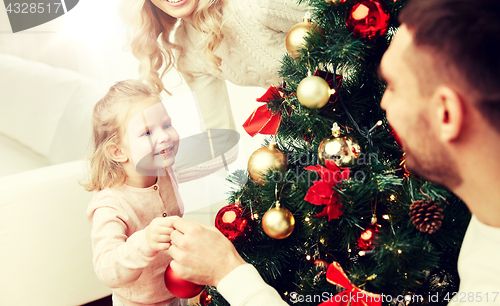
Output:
x=201 y=253
x=158 y=232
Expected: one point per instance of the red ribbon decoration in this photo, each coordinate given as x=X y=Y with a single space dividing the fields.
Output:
x=322 y=193
x=352 y=296
x=262 y=120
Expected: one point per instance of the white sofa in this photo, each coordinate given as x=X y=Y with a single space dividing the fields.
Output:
x=45 y=248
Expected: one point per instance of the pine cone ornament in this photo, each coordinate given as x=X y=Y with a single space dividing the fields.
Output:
x=426 y=215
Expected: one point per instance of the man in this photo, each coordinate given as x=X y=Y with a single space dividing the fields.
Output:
x=443 y=99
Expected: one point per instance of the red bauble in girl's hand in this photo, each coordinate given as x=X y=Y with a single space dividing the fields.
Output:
x=179 y=287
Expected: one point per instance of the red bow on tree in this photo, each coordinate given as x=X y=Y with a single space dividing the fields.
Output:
x=352 y=295
x=262 y=120
x=322 y=193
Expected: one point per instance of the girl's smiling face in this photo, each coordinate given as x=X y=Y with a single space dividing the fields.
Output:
x=151 y=141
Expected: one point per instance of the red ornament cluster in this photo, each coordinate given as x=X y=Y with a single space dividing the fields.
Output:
x=234 y=222
x=368 y=19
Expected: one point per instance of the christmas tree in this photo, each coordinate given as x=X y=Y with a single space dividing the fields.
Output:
x=330 y=185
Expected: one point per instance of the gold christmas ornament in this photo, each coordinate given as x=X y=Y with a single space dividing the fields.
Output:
x=295 y=37
x=314 y=92
x=343 y=150
x=264 y=160
x=278 y=222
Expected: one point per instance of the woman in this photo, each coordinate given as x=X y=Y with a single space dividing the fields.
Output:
x=216 y=40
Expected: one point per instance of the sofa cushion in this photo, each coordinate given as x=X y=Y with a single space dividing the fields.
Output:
x=46 y=250
x=16 y=157
x=33 y=99
x=73 y=133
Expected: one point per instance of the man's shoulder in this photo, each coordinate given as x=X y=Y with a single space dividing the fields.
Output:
x=478 y=263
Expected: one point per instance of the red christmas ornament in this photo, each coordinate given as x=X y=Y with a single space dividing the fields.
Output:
x=367 y=238
x=234 y=222
x=322 y=264
x=179 y=287
x=205 y=298
x=368 y=18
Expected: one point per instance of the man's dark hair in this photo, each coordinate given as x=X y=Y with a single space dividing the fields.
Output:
x=463 y=37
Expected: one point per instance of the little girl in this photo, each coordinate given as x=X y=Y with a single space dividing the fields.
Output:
x=136 y=199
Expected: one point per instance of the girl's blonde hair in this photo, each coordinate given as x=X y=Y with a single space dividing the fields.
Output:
x=150 y=36
x=108 y=127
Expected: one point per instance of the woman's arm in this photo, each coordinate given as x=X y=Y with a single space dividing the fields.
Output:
x=279 y=15
x=214 y=110
x=206 y=168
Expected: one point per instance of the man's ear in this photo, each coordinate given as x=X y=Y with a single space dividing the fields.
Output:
x=115 y=153
x=450 y=113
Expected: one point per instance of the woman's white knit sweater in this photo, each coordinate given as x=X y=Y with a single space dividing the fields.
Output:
x=251 y=53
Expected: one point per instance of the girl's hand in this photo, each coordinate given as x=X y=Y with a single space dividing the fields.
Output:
x=158 y=232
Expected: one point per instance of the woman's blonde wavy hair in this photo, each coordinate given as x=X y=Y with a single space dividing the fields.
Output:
x=108 y=127
x=150 y=36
